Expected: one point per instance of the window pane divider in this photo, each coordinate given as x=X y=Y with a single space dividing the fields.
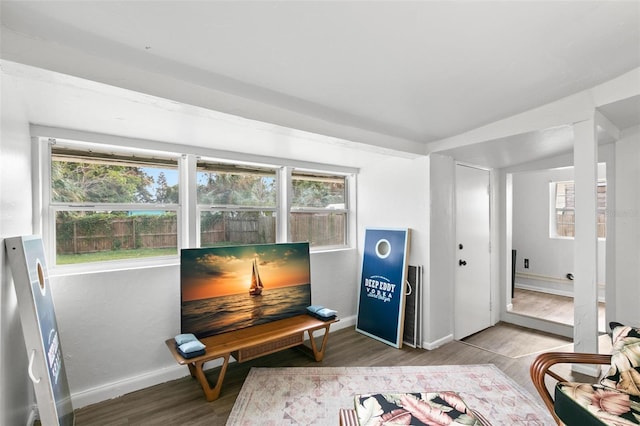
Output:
x=238 y=208
x=317 y=210
x=114 y=207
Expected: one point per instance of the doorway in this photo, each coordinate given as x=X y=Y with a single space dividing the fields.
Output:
x=543 y=263
x=472 y=288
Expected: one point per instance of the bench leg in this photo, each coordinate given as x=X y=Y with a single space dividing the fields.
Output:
x=192 y=369
x=196 y=369
x=318 y=354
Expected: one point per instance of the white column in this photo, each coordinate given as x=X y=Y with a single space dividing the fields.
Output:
x=283 y=207
x=189 y=215
x=610 y=244
x=506 y=195
x=585 y=157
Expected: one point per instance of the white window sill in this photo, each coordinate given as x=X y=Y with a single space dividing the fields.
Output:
x=156 y=262
x=112 y=266
x=572 y=238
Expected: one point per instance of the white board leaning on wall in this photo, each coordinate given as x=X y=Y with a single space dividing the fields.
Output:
x=40 y=329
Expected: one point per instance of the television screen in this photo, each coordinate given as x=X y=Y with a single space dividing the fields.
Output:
x=233 y=287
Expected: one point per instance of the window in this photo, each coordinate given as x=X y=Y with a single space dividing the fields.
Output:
x=236 y=204
x=564 y=208
x=318 y=209
x=103 y=201
x=111 y=206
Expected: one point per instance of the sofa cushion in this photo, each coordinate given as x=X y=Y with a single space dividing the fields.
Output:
x=591 y=404
x=432 y=408
x=624 y=373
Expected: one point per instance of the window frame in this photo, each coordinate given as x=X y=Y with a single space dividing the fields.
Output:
x=51 y=208
x=216 y=207
x=322 y=210
x=187 y=209
x=553 y=210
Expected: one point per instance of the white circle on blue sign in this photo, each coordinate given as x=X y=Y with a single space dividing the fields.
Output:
x=41 y=279
x=383 y=248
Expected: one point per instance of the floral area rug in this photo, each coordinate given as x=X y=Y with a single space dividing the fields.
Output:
x=314 y=396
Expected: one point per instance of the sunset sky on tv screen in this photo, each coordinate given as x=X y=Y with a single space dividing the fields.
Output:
x=221 y=271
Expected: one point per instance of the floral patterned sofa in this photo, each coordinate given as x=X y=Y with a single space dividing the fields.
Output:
x=614 y=400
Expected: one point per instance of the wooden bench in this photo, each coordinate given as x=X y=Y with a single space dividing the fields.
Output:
x=252 y=342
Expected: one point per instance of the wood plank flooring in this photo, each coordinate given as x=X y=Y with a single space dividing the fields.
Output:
x=181 y=402
x=515 y=342
x=550 y=307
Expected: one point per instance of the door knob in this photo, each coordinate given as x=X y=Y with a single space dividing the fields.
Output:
x=460 y=246
x=462 y=262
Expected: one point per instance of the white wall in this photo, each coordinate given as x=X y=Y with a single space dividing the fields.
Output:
x=627 y=215
x=441 y=275
x=576 y=108
x=105 y=317
x=550 y=259
x=392 y=193
x=16 y=396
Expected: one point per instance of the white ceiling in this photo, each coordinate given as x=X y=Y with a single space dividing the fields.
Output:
x=405 y=72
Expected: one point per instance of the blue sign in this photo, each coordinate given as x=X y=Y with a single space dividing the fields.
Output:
x=382 y=286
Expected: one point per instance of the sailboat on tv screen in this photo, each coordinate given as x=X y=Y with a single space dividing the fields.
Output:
x=256 y=282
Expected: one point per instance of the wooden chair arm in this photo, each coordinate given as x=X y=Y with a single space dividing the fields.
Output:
x=543 y=362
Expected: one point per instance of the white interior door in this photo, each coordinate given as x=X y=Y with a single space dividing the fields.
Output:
x=472 y=310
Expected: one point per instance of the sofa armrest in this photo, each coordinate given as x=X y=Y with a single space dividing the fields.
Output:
x=540 y=368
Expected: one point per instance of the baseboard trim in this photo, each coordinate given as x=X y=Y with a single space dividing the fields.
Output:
x=131 y=384
x=437 y=343
x=115 y=389
x=553 y=291
x=344 y=323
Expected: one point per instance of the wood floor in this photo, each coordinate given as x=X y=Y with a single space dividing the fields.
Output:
x=550 y=307
x=182 y=402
